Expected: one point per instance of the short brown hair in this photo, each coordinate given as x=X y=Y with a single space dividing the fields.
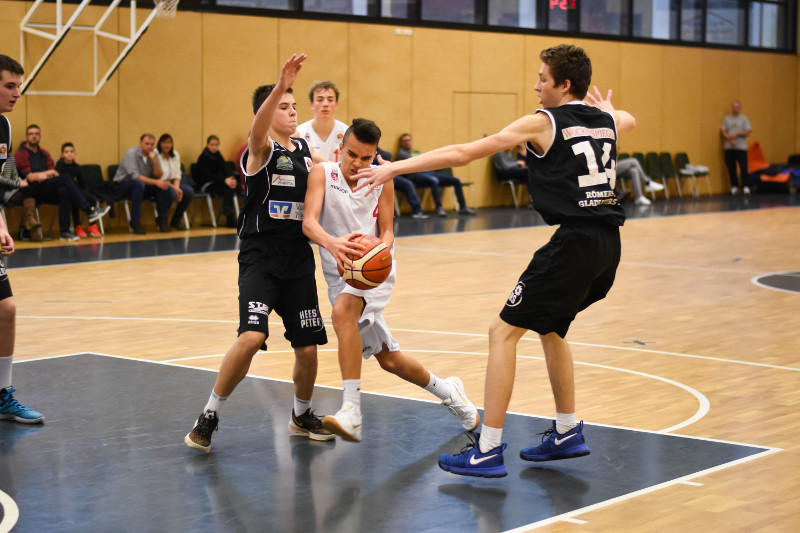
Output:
x=321 y=85
x=261 y=94
x=11 y=65
x=569 y=62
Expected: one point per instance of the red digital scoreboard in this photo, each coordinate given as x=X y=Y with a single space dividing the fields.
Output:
x=563 y=5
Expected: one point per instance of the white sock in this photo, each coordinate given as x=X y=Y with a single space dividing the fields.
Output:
x=215 y=402
x=352 y=392
x=565 y=422
x=490 y=439
x=301 y=406
x=5 y=371
x=438 y=387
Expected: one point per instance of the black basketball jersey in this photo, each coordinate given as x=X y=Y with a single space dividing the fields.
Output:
x=275 y=195
x=574 y=180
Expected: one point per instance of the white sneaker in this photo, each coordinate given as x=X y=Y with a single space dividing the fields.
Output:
x=346 y=423
x=734 y=191
x=642 y=200
x=652 y=186
x=459 y=405
x=746 y=191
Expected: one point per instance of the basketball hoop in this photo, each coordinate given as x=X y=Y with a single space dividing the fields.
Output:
x=166 y=8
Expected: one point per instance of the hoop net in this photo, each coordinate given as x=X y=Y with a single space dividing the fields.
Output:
x=166 y=8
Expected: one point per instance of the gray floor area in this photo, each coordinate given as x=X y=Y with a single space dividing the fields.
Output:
x=111 y=457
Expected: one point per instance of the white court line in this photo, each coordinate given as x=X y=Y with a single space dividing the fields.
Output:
x=705 y=405
x=563 y=517
x=702 y=410
x=10 y=512
x=755 y=280
x=631 y=495
x=528 y=415
x=482 y=335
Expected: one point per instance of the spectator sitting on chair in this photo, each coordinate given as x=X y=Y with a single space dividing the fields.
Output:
x=67 y=165
x=211 y=176
x=140 y=171
x=404 y=185
x=631 y=168
x=170 y=162
x=434 y=180
x=507 y=167
x=41 y=181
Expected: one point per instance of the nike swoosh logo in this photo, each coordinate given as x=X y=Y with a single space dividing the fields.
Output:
x=558 y=442
x=474 y=461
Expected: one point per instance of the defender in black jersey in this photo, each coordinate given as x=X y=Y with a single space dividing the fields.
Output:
x=572 y=159
x=276 y=263
x=10 y=409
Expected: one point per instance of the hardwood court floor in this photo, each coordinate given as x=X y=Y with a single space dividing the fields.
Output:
x=685 y=342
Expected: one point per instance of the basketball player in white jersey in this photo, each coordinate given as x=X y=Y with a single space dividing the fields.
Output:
x=333 y=215
x=324 y=133
x=571 y=156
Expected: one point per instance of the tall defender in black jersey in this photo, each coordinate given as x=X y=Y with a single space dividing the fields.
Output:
x=276 y=263
x=572 y=159
x=10 y=409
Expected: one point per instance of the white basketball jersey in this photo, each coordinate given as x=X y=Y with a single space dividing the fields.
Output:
x=344 y=211
x=328 y=148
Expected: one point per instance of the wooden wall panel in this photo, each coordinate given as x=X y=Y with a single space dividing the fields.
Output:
x=642 y=83
x=380 y=79
x=231 y=70
x=160 y=85
x=440 y=67
x=719 y=70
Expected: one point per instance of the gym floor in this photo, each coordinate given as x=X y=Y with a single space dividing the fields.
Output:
x=121 y=358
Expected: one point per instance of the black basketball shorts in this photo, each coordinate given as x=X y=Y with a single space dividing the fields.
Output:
x=295 y=300
x=5 y=285
x=572 y=271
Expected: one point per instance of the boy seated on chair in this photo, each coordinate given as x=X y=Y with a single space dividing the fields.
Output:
x=67 y=165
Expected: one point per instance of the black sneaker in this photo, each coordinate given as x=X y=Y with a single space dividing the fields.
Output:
x=94 y=213
x=200 y=435
x=309 y=424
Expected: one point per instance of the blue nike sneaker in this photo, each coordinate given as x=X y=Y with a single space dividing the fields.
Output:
x=471 y=462
x=557 y=446
x=11 y=409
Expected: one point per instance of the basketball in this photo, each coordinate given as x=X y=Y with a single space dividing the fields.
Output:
x=371 y=269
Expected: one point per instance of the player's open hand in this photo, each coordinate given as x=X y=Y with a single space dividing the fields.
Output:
x=371 y=177
x=597 y=100
x=291 y=69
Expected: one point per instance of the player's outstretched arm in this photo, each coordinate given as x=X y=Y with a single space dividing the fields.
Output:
x=625 y=121
x=455 y=155
x=339 y=247
x=259 y=143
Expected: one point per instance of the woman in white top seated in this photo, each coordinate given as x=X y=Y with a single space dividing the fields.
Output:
x=170 y=162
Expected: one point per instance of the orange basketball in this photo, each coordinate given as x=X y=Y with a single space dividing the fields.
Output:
x=371 y=269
